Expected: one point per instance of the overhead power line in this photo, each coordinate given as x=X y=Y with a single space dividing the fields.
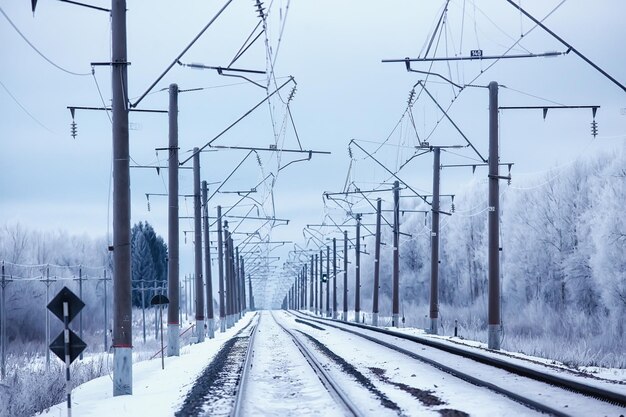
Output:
x=38 y=51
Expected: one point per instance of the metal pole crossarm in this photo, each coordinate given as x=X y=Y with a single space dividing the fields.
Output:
x=344 y=225
x=240 y=192
x=197 y=65
x=166 y=195
x=256 y=106
x=270 y=149
x=426 y=145
x=474 y=165
x=476 y=57
x=508 y=164
x=571 y=48
x=427 y=196
x=88 y=6
x=73 y=108
x=357 y=191
x=594 y=107
x=157 y=167
x=274 y=219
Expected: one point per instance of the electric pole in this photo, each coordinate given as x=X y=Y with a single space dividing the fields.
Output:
x=357 y=270
x=220 y=261
x=321 y=274
x=207 y=259
x=173 y=267
x=327 y=281
x=335 y=278
x=311 y=287
x=494 y=220
x=395 y=314
x=237 y=284
x=197 y=244
x=227 y=266
x=315 y=285
x=345 y=275
x=122 y=312
x=376 y=264
x=243 y=286
x=434 y=246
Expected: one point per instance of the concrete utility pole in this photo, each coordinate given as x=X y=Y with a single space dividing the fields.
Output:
x=244 y=306
x=434 y=246
x=227 y=266
x=321 y=266
x=327 y=281
x=357 y=271
x=197 y=244
x=207 y=262
x=395 y=302
x=173 y=266
x=252 y=307
x=315 y=285
x=231 y=256
x=376 y=264
x=106 y=317
x=233 y=278
x=494 y=222
x=345 y=275
x=304 y=276
x=311 y=285
x=122 y=311
x=220 y=261
x=3 y=324
x=334 y=278
x=80 y=295
x=237 y=284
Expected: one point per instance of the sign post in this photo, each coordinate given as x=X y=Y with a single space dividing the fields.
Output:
x=160 y=300
x=68 y=345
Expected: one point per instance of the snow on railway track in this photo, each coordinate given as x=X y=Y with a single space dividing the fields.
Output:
x=285 y=380
x=217 y=390
x=530 y=388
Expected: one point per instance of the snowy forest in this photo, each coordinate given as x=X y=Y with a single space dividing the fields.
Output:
x=563 y=264
x=36 y=265
x=563 y=238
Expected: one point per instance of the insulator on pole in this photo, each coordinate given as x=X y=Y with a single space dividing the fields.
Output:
x=73 y=129
x=594 y=128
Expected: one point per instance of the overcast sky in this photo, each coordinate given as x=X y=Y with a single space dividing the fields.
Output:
x=49 y=181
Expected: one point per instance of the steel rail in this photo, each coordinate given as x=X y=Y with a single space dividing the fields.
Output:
x=329 y=383
x=598 y=393
x=247 y=364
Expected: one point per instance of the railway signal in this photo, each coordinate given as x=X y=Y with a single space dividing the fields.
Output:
x=68 y=345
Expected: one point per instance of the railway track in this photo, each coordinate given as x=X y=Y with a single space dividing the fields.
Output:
x=333 y=387
x=473 y=373
x=218 y=391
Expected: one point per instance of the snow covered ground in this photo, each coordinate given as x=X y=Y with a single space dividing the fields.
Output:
x=569 y=402
x=380 y=381
x=156 y=392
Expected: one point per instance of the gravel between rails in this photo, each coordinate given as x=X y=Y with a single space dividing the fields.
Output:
x=213 y=392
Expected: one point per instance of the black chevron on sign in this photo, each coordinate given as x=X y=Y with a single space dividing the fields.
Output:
x=76 y=346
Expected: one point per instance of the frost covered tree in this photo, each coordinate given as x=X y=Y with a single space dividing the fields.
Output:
x=149 y=262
